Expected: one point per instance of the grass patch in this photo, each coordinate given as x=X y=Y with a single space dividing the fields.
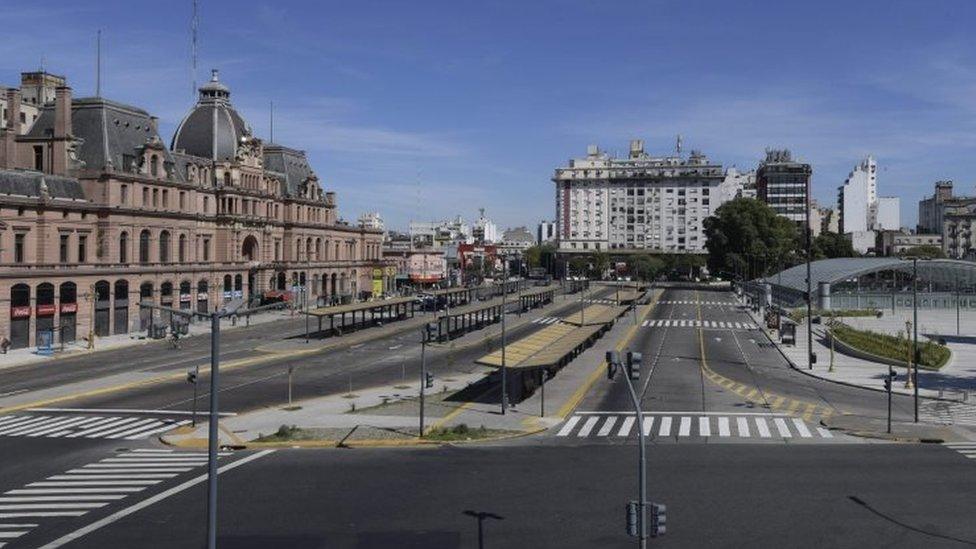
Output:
x=286 y=433
x=798 y=314
x=932 y=355
x=458 y=432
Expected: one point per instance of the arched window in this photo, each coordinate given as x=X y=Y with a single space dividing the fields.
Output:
x=227 y=179
x=308 y=250
x=182 y=249
x=124 y=248
x=164 y=247
x=298 y=249
x=228 y=283
x=144 y=246
x=154 y=165
x=318 y=249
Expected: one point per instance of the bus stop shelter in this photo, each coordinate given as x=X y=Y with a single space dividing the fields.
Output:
x=453 y=297
x=536 y=297
x=388 y=309
x=460 y=321
x=596 y=314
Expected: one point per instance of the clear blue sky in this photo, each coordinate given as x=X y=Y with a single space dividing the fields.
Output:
x=428 y=109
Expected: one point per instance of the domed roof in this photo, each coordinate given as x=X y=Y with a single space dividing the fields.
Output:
x=212 y=129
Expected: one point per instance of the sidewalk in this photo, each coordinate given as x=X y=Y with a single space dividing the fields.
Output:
x=389 y=414
x=20 y=357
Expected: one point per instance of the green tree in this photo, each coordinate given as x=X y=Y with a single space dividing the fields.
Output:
x=541 y=255
x=579 y=266
x=746 y=238
x=600 y=262
x=923 y=252
x=645 y=266
x=829 y=245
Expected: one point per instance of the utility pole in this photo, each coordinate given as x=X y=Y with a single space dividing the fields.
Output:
x=809 y=284
x=504 y=342
x=212 y=441
x=91 y=322
x=915 y=330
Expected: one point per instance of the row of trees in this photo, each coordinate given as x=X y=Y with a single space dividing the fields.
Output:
x=598 y=264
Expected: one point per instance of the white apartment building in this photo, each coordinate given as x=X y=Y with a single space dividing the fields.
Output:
x=642 y=202
x=485 y=231
x=441 y=233
x=372 y=220
x=861 y=211
x=545 y=231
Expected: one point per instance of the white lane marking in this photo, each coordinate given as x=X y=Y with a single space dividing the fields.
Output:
x=801 y=427
x=60 y=484
x=570 y=423
x=157 y=460
x=77 y=423
x=110 y=430
x=150 y=451
x=94 y=424
x=18 y=424
x=648 y=423
x=784 y=431
x=56 y=425
x=114 y=420
x=26 y=491
x=763 y=428
x=665 y=429
x=13 y=534
x=144 y=427
x=37 y=506
x=704 y=427
x=158 y=430
x=120 y=411
x=147 y=502
x=109 y=476
x=685 y=428
x=10 y=525
x=825 y=433
x=743 y=425
x=143 y=470
x=588 y=426
x=607 y=426
x=723 y=427
x=685 y=412
x=36 y=499
x=28 y=428
x=42 y=514
x=626 y=426
x=10 y=419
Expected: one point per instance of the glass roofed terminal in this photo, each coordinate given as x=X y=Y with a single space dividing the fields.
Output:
x=875 y=282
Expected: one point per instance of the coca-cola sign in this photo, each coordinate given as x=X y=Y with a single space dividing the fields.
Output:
x=46 y=310
x=69 y=308
x=20 y=312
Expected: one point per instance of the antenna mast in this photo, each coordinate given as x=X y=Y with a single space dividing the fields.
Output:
x=272 y=121
x=98 y=64
x=193 y=47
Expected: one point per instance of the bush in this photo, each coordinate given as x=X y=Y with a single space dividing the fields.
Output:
x=798 y=314
x=932 y=355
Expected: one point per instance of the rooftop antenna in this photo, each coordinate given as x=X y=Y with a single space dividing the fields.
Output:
x=677 y=145
x=194 y=23
x=98 y=64
x=272 y=120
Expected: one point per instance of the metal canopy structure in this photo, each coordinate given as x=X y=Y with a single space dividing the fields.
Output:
x=941 y=274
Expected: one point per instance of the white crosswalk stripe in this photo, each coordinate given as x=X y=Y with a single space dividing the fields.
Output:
x=546 y=320
x=93 y=486
x=707 y=324
x=689 y=425
x=947 y=413
x=692 y=302
x=86 y=426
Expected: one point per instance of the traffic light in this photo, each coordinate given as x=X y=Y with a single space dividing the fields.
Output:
x=191 y=376
x=430 y=332
x=889 y=379
x=428 y=380
x=813 y=358
x=632 y=519
x=658 y=519
x=634 y=360
x=613 y=359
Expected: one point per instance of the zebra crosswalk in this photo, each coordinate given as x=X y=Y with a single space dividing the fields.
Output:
x=947 y=413
x=693 y=302
x=547 y=320
x=78 y=491
x=86 y=426
x=967 y=449
x=691 y=323
x=690 y=425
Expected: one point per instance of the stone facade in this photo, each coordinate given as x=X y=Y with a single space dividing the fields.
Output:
x=98 y=215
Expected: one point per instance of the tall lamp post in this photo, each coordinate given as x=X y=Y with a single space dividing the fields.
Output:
x=915 y=331
x=809 y=243
x=504 y=306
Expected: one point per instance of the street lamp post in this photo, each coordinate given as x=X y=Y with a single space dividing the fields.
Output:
x=809 y=243
x=91 y=322
x=504 y=342
x=915 y=330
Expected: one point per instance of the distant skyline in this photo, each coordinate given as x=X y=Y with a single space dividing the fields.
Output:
x=428 y=110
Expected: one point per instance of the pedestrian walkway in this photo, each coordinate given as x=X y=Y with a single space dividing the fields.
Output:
x=81 y=490
x=943 y=412
x=706 y=324
x=601 y=301
x=546 y=320
x=684 y=425
x=967 y=449
x=135 y=427
x=693 y=302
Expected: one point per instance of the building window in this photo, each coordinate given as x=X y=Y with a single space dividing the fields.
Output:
x=124 y=248
x=164 y=247
x=206 y=249
x=19 y=248
x=182 y=248
x=182 y=201
x=82 y=248
x=39 y=157
x=154 y=165
x=165 y=198
x=206 y=204
x=155 y=195
x=124 y=194
x=63 y=249
x=145 y=197
x=144 y=247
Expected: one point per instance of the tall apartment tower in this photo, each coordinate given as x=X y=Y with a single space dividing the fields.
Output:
x=784 y=184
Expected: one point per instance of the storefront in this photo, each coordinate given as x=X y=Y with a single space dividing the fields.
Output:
x=68 y=298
